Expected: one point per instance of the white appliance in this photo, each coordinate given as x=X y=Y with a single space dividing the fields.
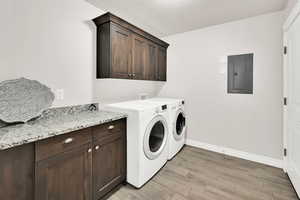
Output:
x=177 y=122
x=147 y=137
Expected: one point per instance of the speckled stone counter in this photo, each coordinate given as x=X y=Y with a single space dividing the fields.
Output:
x=56 y=121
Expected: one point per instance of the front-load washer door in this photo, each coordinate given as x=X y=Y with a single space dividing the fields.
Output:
x=179 y=125
x=155 y=137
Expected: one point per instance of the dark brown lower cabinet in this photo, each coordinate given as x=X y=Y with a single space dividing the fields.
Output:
x=108 y=164
x=83 y=165
x=66 y=176
x=17 y=173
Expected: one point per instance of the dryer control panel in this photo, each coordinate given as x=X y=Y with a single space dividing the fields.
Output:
x=161 y=109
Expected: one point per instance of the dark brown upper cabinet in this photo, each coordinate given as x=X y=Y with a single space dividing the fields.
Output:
x=121 y=52
x=240 y=74
x=127 y=52
x=151 y=61
x=162 y=63
x=138 y=57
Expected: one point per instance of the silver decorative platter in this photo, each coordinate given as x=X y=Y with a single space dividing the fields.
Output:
x=22 y=100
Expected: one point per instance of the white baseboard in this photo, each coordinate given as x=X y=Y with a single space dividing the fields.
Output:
x=236 y=153
x=294 y=175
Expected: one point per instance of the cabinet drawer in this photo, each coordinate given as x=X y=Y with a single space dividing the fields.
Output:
x=50 y=147
x=110 y=128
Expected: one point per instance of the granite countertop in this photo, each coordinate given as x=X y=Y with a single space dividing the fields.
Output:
x=55 y=122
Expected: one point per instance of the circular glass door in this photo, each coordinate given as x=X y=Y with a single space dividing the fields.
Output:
x=179 y=126
x=155 y=137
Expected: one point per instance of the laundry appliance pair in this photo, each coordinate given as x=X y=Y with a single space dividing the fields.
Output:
x=156 y=132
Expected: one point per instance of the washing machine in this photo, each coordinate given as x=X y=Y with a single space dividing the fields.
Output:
x=147 y=138
x=177 y=122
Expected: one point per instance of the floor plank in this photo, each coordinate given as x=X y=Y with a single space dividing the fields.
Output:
x=197 y=174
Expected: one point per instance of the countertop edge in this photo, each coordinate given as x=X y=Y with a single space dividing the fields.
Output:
x=5 y=146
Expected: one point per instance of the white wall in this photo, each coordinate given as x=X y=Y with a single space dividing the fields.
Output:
x=54 y=41
x=113 y=90
x=7 y=42
x=197 y=71
x=51 y=41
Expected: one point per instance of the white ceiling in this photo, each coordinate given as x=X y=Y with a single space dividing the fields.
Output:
x=167 y=17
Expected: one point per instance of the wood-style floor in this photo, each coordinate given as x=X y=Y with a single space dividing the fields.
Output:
x=196 y=174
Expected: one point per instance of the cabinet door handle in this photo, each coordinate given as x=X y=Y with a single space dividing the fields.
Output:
x=89 y=150
x=68 y=140
x=129 y=75
x=133 y=75
x=111 y=127
x=97 y=147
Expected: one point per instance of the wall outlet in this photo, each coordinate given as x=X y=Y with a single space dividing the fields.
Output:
x=143 y=96
x=59 y=94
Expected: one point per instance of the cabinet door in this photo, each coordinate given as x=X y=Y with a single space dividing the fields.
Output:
x=151 y=61
x=65 y=176
x=121 y=52
x=17 y=173
x=108 y=164
x=138 y=57
x=162 y=64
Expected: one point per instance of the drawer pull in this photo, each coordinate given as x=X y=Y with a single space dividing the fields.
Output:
x=68 y=140
x=111 y=127
x=89 y=150
x=97 y=147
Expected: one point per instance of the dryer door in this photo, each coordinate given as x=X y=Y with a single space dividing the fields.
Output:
x=179 y=125
x=155 y=137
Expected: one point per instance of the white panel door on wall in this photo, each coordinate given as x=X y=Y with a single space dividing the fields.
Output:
x=292 y=112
